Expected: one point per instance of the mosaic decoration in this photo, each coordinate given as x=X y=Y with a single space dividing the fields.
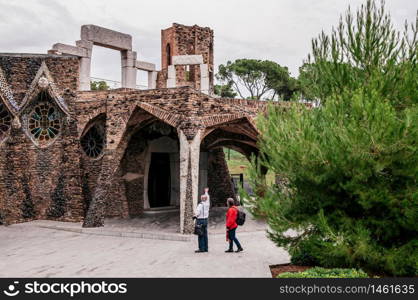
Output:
x=43 y=81
x=93 y=142
x=7 y=93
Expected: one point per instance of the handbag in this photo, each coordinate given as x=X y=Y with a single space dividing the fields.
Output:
x=198 y=229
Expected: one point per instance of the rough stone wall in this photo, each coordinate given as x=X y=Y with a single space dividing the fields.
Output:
x=219 y=180
x=20 y=70
x=40 y=182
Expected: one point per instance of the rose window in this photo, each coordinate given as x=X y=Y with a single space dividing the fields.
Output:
x=44 y=122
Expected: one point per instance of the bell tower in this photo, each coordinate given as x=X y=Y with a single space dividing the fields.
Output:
x=195 y=42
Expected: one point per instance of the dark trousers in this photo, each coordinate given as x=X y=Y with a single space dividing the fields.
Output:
x=203 y=239
x=233 y=239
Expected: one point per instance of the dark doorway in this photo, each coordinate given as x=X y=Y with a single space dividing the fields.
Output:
x=159 y=180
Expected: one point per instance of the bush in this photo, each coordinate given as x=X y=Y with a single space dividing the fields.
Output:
x=351 y=164
x=304 y=254
x=325 y=273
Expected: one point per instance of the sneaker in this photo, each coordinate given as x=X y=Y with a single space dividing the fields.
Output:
x=199 y=251
x=239 y=250
x=229 y=251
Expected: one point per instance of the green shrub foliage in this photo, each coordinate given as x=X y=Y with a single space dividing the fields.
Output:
x=325 y=273
x=350 y=197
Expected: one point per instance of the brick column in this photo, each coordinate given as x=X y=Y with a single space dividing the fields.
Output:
x=189 y=179
x=96 y=211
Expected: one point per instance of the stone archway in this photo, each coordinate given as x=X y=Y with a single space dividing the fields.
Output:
x=237 y=135
x=149 y=168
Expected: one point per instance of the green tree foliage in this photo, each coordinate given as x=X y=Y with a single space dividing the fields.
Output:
x=99 y=85
x=350 y=197
x=225 y=90
x=258 y=78
x=364 y=45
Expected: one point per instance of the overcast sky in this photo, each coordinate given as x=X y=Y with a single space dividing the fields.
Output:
x=278 y=30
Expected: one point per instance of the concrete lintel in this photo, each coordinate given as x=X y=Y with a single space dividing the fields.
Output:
x=106 y=37
x=187 y=59
x=68 y=49
x=84 y=44
x=145 y=66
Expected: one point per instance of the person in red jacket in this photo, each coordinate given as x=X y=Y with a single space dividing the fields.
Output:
x=231 y=226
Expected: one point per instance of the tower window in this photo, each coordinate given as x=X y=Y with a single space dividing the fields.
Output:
x=168 y=54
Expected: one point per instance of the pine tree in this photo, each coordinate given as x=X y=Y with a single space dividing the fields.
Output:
x=350 y=165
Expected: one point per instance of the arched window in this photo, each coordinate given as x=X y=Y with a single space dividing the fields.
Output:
x=168 y=54
x=93 y=142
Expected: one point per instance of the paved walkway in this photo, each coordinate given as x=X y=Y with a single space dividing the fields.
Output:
x=28 y=250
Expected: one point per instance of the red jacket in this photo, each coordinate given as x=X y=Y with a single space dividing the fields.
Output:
x=231 y=217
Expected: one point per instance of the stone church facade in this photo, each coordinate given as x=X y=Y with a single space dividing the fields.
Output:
x=71 y=154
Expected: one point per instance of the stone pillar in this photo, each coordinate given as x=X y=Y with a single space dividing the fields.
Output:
x=204 y=78
x=85 y=64
x=128 y=69
x=189 y=179
x=171 y=76
x=152 y=80
x=96 y=211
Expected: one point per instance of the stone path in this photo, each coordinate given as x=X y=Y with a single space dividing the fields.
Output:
x=27 y=250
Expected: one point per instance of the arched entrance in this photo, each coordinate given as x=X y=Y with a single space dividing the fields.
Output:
x=149 y=168
x=238 y=135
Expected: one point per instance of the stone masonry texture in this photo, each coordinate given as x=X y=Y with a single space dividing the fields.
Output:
x=62 y=182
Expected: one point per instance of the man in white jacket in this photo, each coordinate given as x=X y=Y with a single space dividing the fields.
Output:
x=201 y=216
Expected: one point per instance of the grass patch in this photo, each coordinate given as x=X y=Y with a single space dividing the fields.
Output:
x=238 y=163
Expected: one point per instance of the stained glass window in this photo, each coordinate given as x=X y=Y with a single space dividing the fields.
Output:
x=93 y=141
x=5 y=119
x=44 y=121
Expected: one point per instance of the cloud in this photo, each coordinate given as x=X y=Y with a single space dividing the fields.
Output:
x=279 y=30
